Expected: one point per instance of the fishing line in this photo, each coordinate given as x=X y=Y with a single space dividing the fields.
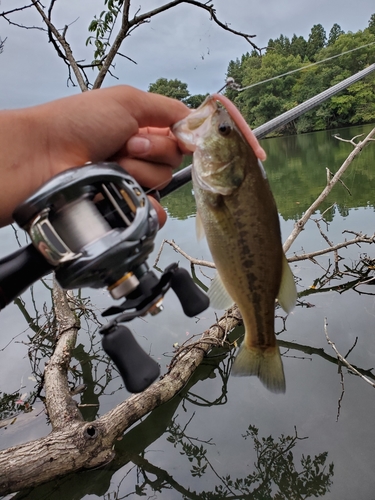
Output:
x=234 y=86
x=183 y=176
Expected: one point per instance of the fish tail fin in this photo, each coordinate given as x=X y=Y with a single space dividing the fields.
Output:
x=265 y=364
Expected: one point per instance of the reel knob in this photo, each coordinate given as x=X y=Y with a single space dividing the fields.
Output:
x=193 y=300
x=136 y=367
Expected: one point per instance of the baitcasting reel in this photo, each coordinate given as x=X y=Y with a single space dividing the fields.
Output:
x=95 y=227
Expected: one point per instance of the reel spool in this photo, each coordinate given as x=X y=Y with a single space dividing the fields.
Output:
x=94 y=224
x=95 y=227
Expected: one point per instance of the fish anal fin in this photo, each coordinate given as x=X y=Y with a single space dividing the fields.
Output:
x=287 y=295
x=265 y=364
x=218 y=295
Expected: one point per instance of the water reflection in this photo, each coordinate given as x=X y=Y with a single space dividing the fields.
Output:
x=223 y=437
x=296 y=168
x=279 y=469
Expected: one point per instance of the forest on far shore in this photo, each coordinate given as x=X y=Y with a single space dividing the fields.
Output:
x=261 y=103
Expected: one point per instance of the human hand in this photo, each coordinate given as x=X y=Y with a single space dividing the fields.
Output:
x=119 y=124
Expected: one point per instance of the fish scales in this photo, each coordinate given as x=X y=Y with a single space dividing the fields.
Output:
x=238 y=213
x=245 y=244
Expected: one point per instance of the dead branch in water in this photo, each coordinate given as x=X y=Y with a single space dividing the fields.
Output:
x=83 y=445
x=342 y=359
x=355 y=241
x=300 y=224
x=360 y=238
x=192 y=260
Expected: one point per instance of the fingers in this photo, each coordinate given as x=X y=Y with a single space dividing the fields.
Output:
x=148 y=175
x=150 y=157
x=162 y=216
x=152 y=110
x=156 y=148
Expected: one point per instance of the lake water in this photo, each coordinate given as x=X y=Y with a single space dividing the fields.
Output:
x=227 y=437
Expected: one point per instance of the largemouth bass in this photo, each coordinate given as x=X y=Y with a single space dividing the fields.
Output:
x=237 y=212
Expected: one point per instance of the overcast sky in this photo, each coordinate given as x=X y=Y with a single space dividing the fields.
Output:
x=182 y=43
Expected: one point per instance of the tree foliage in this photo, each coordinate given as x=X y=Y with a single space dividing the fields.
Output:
x=317 y=40
x=335 y=32
x=262 y=102
x=177 y=90
x=170 y=88
x=371 y=24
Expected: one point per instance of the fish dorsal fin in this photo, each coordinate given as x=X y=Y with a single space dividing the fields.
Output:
x=287 y=295
x=199 y=227
x=218 y=295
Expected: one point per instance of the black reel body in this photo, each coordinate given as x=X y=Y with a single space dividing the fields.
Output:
x=95 y=227
x=94 y=223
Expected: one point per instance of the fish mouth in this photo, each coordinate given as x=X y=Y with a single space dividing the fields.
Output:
x=189 y=130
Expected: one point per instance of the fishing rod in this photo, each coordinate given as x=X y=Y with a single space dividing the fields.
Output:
x=184 y=176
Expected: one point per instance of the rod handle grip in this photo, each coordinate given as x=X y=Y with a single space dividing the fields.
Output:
x=19 y=270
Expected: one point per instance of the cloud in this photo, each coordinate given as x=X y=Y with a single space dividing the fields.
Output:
x=181 y=43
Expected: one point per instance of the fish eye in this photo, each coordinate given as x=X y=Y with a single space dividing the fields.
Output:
x=224 y=129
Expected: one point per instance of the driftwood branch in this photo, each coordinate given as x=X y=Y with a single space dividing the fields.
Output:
x=61 y=407
x=300 y=224
x=83 y=445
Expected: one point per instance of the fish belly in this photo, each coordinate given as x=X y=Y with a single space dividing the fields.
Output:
x=243 y=234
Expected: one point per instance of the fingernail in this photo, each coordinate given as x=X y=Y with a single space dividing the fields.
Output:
x=138 y=145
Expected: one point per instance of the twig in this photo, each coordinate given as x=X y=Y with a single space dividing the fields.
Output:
x=300 y=224
x=356 y=241
x=342 y=359
x=192 y=260
x=330 y=176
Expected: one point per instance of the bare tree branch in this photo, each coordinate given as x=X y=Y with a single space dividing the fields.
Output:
x=344 y=244
x=64 y=44
x=127 y=26
x=63 y=49
x=305 y=256
x=12 y=11
x=5 y=15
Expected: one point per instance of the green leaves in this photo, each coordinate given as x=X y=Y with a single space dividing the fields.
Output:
x=170 y=88
x=102 y=27
x=267 y=100
x=176 y=90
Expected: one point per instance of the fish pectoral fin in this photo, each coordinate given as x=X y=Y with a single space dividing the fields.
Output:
x=199 y=227
x=287 y=295
x=266 y=365
x=218 y=295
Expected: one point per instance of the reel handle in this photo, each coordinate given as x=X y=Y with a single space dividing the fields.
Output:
x=137 y=368
x=20 y=270
x=193 y=300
